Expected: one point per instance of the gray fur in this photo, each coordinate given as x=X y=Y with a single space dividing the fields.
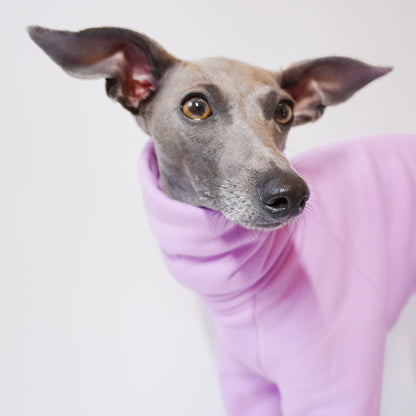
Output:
x=222 y=162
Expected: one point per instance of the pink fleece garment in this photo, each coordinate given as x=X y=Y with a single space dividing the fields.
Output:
x=301 y=313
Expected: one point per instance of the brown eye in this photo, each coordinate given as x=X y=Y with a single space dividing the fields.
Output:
x=196 y=108
x=284 y=112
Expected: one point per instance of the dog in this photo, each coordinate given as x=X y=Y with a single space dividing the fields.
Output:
x=300 y=308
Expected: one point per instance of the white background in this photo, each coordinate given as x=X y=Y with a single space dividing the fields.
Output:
x=90 y=321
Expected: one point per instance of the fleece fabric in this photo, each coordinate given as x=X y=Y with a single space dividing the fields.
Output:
x=301 y=313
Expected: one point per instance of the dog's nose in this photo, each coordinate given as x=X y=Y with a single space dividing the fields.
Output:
x=284 y=195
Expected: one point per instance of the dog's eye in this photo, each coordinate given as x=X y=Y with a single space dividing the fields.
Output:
x=196 y=108
x=284 y=112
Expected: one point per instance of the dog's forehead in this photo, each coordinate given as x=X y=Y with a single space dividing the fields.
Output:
x=227 y=74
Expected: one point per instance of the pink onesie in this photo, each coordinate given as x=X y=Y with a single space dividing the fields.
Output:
x=301 y=313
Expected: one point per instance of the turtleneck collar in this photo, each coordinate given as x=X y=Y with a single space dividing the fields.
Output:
x=203 y=250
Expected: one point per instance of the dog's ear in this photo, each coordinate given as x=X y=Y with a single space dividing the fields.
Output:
x=318 y=83
x=131 y=63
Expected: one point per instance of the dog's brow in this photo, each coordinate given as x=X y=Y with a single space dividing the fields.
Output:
x=268 y=103
x=214 y=91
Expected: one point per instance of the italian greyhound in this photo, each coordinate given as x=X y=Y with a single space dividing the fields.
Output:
x=219 y=125
x=300 y=308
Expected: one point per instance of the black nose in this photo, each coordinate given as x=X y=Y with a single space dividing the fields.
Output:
x=284 y=195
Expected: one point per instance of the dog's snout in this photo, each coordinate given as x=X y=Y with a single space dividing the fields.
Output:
x=284 y=195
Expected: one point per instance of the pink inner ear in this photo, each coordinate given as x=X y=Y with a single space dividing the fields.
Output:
x=141 y=89
x=306 y=88
x=137 y=82
x=138 y=89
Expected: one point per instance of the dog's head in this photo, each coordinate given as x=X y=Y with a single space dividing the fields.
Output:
x=219 y=125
